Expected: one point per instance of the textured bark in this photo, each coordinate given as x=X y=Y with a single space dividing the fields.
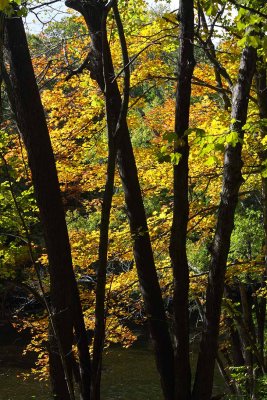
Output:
x=232 y=179
x=31 y=121
x=92 y=13
x=181 y=205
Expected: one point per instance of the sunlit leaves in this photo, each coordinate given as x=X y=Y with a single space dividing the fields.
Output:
x=13 y=7
x=233 y=138
x=76 y=117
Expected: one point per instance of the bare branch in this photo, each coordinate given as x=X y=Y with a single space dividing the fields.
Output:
x=48 y=3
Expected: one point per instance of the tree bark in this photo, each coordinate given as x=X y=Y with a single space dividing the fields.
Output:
x=154 y=307
x=232 y=179
x=181 y=205
x=65 y=302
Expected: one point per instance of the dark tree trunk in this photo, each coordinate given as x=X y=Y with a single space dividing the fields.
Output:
x=238 y=359
x=227 y=377
x=247 y=324
x=65 y=303
x=100 y=311
x=261 y=80
x=232 y=179
x=92 y=13
x=181 y=205
x=99 y=334
x=82 y=343
x=237 y=356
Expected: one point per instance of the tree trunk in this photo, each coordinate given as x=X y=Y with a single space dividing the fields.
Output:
x=65 y=303
x=232 y=179
x=154 y=307
x=261 y=81
x=181 y=205
x=99 y=334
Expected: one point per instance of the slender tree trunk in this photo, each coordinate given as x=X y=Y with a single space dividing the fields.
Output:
x=181 y=205
x=232 y=179
x=225 y=373
x=238 y=359
x=99 y=334
x=247 y=323
x=154 y=307
x=82 y=344
x=100 y=311
x=261 y=80
x=65 y=301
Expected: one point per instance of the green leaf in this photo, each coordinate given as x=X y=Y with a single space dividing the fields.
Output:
x=22 y=12
x=175 y=158
x=240 y=25
x=264 y=44
x=254 y=41
x=164 y=158
x=169 y=136
x=219 y=147
x=200 y=132
x=242 y=42
x=164 y=149
x=233 y=138
x=211 y=161
x=212 y=10
x=264 y=169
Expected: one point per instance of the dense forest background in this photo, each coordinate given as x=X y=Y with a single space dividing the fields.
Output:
x=133 y=189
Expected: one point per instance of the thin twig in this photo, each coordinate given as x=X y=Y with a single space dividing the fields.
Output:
x=133 y=59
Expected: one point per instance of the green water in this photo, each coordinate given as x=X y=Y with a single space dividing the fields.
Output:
x=128 y=374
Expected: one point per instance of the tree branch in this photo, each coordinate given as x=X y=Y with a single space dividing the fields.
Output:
x=251 y=9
